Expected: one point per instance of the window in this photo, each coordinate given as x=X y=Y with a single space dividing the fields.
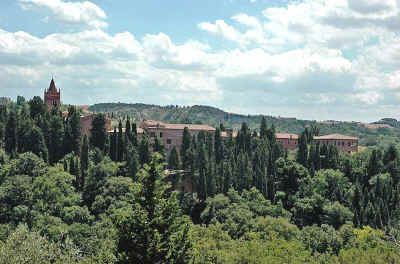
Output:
x=152 y=134
x=349 y=144
x=161 y=135
x=169 y=141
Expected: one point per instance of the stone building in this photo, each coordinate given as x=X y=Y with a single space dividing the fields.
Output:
x=343 y=143
x=139 y=131
x=170 y=135
x=52 y=96
x=5 y=100
x=288 y=141
x=86 y=124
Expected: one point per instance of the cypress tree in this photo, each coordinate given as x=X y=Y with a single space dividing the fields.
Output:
x=120 y=143
x=271 y=135
x=11 y=134
x=144 y=151
x=155 y=230
x=324 y=157
x=374 y=164
x=263 y=127
x=211 y=179
x=113 y=145
x=186 y=141
x=227 y=178
x=333 y=157
x=37 y=143
x=391 y=154
x=132 y=161
x=65 y=163
x=158 y=147
x=74 y=122
x=56 y=140
x=37 y=107
x=128 y=131
x=74 y=168
x=219 y=148
x=134 y=134
x=44 y=125
x=84 y=161
x=202 y=168
x=302 y=152
x=3 y=114
x=67 y=139
x=174 y=160
x=98 y=132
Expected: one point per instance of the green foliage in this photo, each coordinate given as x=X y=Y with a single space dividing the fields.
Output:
x=23 y=246
x=11 y=134
x=251 y=202
x=324 y=239
x=96 y=178
x=336 y=214
x=237 y=213
x=153 y=230
x=98 y=132
x=174 y=159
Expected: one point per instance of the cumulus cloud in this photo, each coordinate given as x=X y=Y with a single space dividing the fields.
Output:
x=84 y=13
x=292 y=61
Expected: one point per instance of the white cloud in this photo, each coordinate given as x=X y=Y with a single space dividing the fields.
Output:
x=79 y=13
x=221 y=28
x=369 y=98
x=293 y=61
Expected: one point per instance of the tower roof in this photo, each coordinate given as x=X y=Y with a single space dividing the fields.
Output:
x=52 y=87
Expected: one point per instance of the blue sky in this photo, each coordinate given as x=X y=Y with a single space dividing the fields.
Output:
x=312 y=59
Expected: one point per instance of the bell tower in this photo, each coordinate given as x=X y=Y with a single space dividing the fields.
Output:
x=52 y=97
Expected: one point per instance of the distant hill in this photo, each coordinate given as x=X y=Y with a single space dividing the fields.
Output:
x=388 y=121
x=199 y=114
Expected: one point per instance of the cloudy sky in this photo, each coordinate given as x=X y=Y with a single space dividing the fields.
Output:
x=312 y=59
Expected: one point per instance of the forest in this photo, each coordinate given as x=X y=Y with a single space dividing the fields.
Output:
x=116 y=197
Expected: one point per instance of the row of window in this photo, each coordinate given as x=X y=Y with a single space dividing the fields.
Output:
x=327 y=142
x=288 y=141
x=337 y=143
x=153 y=134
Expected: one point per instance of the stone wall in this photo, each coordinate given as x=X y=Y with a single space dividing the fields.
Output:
x=86 y=124
x=343 y=145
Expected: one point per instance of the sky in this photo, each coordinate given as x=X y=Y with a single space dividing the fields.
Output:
x=309 y=59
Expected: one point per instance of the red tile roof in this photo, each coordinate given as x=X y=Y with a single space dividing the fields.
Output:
x=286 y=136
x=159 y=124
x=335 y=137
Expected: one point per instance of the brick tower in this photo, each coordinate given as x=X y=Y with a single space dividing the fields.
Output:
x=52 y=97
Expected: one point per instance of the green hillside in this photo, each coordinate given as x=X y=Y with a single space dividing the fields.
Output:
x=214 y=116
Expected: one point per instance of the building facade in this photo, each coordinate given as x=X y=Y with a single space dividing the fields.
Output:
x=52 y=96
x=86 y=124
x=170 y=135
x=288 y=141
x=343 y=143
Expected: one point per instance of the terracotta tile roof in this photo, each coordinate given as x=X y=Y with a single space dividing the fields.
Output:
x=159 y=124
x=286 y=136
x=335 y=136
